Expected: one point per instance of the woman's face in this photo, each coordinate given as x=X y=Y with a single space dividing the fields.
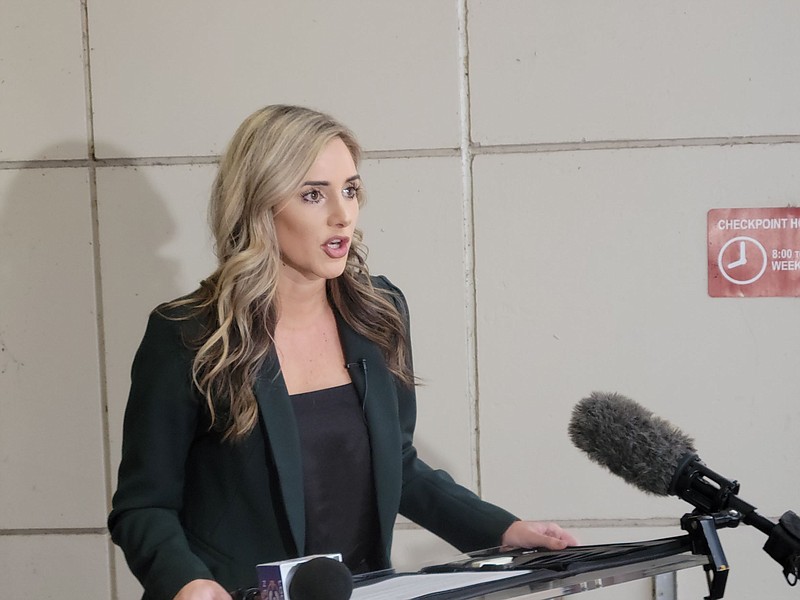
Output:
x=315 y=225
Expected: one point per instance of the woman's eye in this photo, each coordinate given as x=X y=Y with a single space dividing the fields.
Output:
x=350 y=191
x=312 y=196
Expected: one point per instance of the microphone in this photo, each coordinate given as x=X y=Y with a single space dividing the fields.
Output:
x=321 y=578
x=316 y=577
x=658 y=458
x=629 y=441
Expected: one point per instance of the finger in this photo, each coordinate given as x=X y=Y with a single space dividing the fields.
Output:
x=557 y=531
x=551 y=543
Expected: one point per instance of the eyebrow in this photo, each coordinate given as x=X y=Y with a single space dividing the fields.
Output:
x=326 y=183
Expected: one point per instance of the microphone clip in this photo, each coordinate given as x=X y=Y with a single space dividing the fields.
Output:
x=702 y=530
x=707 y=490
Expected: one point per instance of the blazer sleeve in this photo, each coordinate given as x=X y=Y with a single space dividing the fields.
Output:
x=430 y=497
x=161 y=418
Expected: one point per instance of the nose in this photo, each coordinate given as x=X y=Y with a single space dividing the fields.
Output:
x=343 y=212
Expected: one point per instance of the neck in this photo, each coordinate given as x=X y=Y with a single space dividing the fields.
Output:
x=301 y=302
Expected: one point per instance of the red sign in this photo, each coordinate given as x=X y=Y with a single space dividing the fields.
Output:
x=753 y=252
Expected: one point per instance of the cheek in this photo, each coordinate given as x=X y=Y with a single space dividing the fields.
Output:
x=281 y=234
x=286 y=234
x=293 y=235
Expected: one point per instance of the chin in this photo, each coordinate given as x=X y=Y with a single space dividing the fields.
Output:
x=332 y=273
x=336 y=275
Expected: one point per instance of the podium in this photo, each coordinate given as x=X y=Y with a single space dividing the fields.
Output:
x=588 y=580
x=538 y=575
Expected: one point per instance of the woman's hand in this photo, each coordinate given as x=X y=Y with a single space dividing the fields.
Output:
x=533 y=534
x=202 y=589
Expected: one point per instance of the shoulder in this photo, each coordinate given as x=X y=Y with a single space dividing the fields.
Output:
x=381 y=282
x=394 y=293
x=176 y=324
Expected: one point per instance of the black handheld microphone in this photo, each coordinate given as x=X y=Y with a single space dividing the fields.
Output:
x=658 y=458
x=315 y=577
x=321 y=578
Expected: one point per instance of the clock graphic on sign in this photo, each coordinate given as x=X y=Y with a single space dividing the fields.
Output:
x=742 y=260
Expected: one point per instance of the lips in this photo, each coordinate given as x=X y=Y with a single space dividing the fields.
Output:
x=336 y=247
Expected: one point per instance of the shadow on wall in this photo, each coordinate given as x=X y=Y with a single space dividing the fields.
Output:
x=46 y=245
x=47 y=270
x=48 y=302
x=51 y=412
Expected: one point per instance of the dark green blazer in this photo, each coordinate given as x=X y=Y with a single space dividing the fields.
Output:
x=190 y=506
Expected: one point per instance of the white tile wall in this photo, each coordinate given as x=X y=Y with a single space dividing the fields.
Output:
x=550 y=71
x=590 y=263
x=156 y=247
x=54 y=567
x=413 y=226
x=591 y=275
x=127 y=587
x=51 y=436
x=42 y=98
x=388 y=69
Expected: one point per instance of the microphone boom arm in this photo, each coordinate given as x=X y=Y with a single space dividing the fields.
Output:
x=712 y=493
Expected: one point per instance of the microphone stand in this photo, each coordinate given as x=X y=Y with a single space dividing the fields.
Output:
x=702 y=530
x=718 y=506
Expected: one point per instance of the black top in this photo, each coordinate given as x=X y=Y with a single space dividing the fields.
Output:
x=341 y=513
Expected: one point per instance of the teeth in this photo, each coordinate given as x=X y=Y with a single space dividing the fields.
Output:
x=335 y=243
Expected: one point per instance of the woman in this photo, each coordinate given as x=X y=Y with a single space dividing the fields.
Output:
x=272 y=411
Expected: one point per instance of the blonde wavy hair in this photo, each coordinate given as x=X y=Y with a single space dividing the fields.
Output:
x=265 y=162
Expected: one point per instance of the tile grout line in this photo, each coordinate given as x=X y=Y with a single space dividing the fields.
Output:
x=588 y=523
x=635 y=144
x=468 y=232
x=599 y=523
x=98 y=287
x=473 y=149
x=53 y=531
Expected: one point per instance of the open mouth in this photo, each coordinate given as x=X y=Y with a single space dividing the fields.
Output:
x=336 y=247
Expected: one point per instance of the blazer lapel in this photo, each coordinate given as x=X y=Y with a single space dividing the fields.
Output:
x=282 y=437
x=375 y=386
